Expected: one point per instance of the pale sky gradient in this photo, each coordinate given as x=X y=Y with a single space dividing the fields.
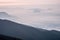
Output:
x=28 y=2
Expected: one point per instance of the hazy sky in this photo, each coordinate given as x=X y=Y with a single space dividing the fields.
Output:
x=38 y=13
x=28 y=2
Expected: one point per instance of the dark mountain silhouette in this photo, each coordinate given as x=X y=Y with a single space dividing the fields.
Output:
x=25 y=32
x=4 y=37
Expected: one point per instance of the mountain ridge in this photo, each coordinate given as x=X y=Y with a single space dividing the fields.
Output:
x=25 y=32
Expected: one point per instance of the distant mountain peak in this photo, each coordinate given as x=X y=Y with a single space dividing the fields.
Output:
x=7 y=16
x=3 y=13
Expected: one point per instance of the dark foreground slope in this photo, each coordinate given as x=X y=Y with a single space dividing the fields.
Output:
x=25 y=32
x=4 y=37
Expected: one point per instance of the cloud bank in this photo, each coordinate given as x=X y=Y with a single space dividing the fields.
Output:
x=41 y=16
